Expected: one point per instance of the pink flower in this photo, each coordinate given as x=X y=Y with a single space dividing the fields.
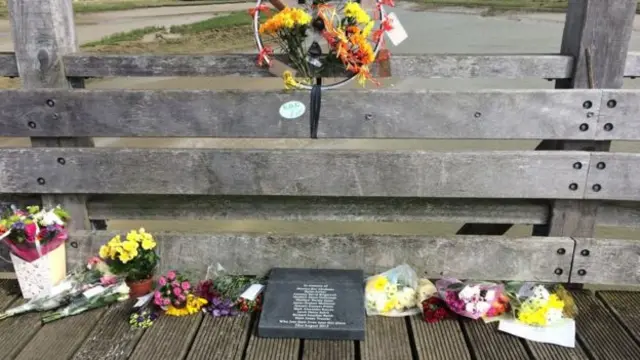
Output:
x=166 y=302
x=181 y=298
x=30 y=231
x=108 y=280
x=177 y=291
x=162 y=281
x=158 y=301
x=157 y=295
x=95 y=260
x=185 y=285
x=171 y=275
x=175 y=284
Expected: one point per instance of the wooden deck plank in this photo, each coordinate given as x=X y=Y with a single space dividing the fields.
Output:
x=223 y=338
x=490 y=344
x=9 y=292
x=542 y=351
x=112 y=337
x=624 y=306
x=386 y=338
x=602 y=336
x=61 y=339
x=328 y=349
x=271 y=348
x=443 y=340
x=170 y=337
x=16 y=332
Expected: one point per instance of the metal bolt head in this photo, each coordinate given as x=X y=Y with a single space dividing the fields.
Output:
x=596 y=187
x=577 y=165
x=587 y=104
x=573 y=186
x=561 y=251
x=611 y=104
x=477 y=114
x=41 y=181
x=601 y=165
x=31 y=124
x=50 y=103
x=582 y=272
x=558 y=271
x=590 y=114
x=61 y=161
x=368 y=116
x=74 y=244
x=584 y=252
x=608 y=127
x=55 y=116
x=584 y=127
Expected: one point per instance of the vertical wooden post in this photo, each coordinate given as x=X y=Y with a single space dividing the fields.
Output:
x=43 y=32
x=597 y=35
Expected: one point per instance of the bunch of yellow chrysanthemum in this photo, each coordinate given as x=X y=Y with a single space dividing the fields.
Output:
x=288 y=18
x=134 y=256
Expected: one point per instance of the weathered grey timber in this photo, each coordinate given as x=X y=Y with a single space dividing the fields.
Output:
x=606 y=261
x=163 y=207
x=8 y=66
x=618 y=116
x=632 y=65
x=491 y=174
x=622 y=213
x=487 y=114
x=614 y=176
x=42 y=33
x=478 y=257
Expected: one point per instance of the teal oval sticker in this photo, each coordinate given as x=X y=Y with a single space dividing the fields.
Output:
x=292 y=110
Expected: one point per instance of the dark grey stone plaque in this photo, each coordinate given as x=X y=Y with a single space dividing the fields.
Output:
x=313 y=304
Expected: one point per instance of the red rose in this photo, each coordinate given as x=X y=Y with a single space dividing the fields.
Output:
x=441 y=313
x=30 y=231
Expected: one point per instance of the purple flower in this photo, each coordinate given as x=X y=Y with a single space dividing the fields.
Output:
x=19 y=225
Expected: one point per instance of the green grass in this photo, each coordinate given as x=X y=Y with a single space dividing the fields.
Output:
x=233 y=19
x=133 y=35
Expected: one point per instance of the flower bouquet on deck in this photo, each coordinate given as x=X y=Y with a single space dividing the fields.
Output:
x=392 y=293
x=469 y=299
x=229 y=294
x=135 y=258
x=542 y=313
x=35 y=238
x=175 y=297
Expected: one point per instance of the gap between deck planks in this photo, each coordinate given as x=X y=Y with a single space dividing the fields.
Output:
x=608 y=328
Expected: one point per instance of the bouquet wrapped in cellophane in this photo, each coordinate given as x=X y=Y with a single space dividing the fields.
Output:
x=469 y=299
x=539 y=304
x=393 y=292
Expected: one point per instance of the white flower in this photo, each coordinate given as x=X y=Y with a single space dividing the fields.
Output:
x=50 y=218
x=122 y=288
x=469 y=293
x=391 y=290
x=553 y=316
x=482 y=307
x=406 y=298
x=426 y=289
x=490 y=296
x=541 y=293
x=470 y=308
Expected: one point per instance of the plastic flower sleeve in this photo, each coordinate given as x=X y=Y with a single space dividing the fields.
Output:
x=541 y=304
x=392 y=293
x=469 y=299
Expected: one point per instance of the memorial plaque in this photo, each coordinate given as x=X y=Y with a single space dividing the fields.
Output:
x=313 y=304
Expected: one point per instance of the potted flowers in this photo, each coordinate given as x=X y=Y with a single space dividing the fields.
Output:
x=174 y=295
x=35 y=237
x=135 y=258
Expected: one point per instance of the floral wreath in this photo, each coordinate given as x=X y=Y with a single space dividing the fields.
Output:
x=351 y=43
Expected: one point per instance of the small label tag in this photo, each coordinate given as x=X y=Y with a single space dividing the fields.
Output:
x=292 y=110
x=252 y=292
x=143 y=300
x=93 y=291
x=397 y=34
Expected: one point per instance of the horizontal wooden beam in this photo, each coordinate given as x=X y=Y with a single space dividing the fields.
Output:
x=613 y=176
x=618 y=116
x=619 y=214
x=606 y=261
x=8 y=65
x=491 y=114
x=290 y=208
x=475 y=257
x=491 y=174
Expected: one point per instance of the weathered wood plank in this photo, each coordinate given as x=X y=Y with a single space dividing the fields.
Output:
x=606 y=261
x=386 y=338
x=467 y=257
x=440 y=341
x=541 y=351
x=61 y=339
x=165 y=207
x=488 y=343
x=618 y=116
x=9 y=292
x=602 y=336
x=221 y=338
x=170 y=337
x=490 y=174
x=8 y=65
x=624 y=306
x=381 y=113
x=549 y=66
x=271 y=348
x=596 y=35
x=613 y=176
x=632 y=64
x=112 y=337
x=17 y=331
x=328 y=349
x=622 y=213
x=44 y=31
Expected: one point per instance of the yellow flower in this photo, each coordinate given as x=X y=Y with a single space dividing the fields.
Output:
x=130 y=245
x=114 y=251
x=377 y=284
x=289 y=81
x=367 y=29
x=194 y=304
x=353 y=10
x=555 y=302
x=115 y=241
x=133 y=236
x=148 y=243
x=104 y=252
x=124 y=257
x=390 y=305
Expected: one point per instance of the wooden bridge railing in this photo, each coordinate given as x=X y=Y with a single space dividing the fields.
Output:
x=565 y=190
